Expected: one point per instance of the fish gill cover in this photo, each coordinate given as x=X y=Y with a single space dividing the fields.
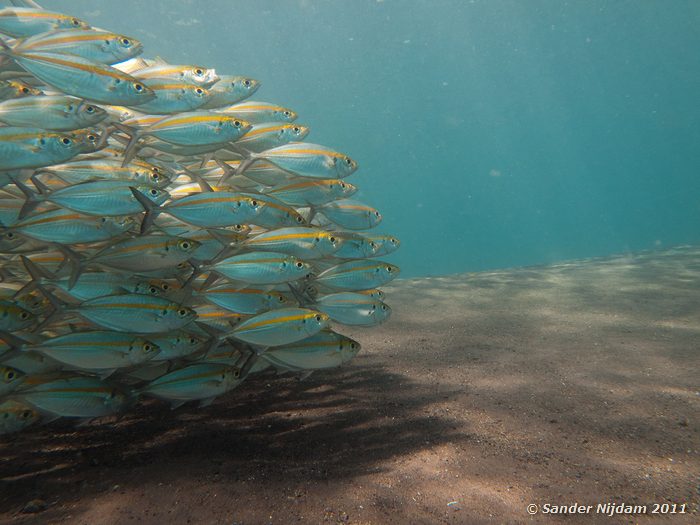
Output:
x=162 y=234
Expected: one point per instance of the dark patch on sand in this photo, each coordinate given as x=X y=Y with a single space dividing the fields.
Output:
x=575 y=383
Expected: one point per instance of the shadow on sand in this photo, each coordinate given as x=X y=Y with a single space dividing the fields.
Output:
x=337 y=424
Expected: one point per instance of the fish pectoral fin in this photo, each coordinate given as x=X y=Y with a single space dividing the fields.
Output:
x=206 y=402
x=176 y=403
x=305 y=375
x=104 y=374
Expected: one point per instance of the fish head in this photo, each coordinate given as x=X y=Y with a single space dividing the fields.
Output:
x=88 y=114
x=344 y=166
x=122 y=47
x=10 y=376
x=11 y=241
x=243 y=86
x=296 y=267
x=180 y=314
x=188 y=343
x=117 y=225
x=201 y=76
x=343 y=189
x=20 y=89
x=156 y=195
x=88 y=140
x=63 y=146
x=14 y=317
x=234 y=127
x=294 y=132
x=70 y=22
x=278 y=300
x=327 y=243
x=231 y=376
x=380 y=311
x=142 y=350
x=140 y=91
x=16 y=416
x=374 y=217
x=389 y=271
x=348 y=348
x=152 y=287
x=315 y=322
x=285 y=114
x=184 y=245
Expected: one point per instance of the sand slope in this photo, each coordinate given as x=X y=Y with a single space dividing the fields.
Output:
x=575 y=383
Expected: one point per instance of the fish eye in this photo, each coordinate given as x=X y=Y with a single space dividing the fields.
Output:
x=254 y=203
x=155 y=177
x=199 y=91
x=193 y=341
x=182 y=312
x=237 y=123
x=348 y=161
x=153 y=290
x=92 y=138
x=147 y=347
x=287 y=113
x=185 y=245
x=281 y=298
x=296 y=129
x=90 y=109
x=10 y=235
x=384 y=307
x=66 y=141
x=343 y=185
x=154 y=192
x=24 y=316
x=126 y=41
x=352 y=345
x=165 y=287
x=25 y=415
x=389 y=269
x=138 y=87
x=75 y=22
x=70 y=107
x=10 y=375
x=300 y=219
x=318 y=318
x=25 y=90
x=332 y=239
x=376 y=213
x=236 y=373
x=247 y=82
x=300 y=264
x=103 y=219
x=198 y=72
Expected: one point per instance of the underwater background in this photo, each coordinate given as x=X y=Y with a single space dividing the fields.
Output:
x=489 y=134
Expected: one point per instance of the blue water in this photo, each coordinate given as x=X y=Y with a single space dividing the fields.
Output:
x=489 y=133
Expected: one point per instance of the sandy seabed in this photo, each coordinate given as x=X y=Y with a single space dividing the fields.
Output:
x=577 y=383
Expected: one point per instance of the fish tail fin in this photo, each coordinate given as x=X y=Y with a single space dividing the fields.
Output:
x=32 y=200
x=37 y=273
x=134 y=137
x=152 y=209
x=14 y=342
x=77 y=261
x=58 y=306
x=196 y=177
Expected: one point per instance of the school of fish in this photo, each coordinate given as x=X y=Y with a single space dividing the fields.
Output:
x=162 y=235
